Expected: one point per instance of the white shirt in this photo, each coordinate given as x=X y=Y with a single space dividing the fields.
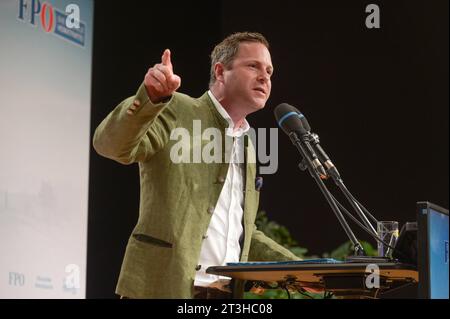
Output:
x=221 y=245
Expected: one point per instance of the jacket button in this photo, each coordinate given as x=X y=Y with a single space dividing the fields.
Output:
x=137 y=103
x=130 y=112
x=221 y=180
x=205 y=236
x=211 y=210
x=198 y=267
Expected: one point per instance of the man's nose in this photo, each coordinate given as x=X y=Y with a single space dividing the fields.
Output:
x=263 y=77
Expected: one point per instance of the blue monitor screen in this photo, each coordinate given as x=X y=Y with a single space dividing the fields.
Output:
x=438 y=254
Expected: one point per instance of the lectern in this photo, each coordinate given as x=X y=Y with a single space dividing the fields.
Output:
x=343 y=279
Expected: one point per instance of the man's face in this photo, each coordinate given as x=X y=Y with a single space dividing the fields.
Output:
x=247 y=80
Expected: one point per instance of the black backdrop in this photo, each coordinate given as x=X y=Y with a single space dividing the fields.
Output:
x=377 y=97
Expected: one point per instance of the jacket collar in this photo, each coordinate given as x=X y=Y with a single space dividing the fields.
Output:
x=205 y=99
x=230 y=130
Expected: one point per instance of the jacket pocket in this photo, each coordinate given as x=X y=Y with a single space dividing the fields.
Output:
x=152 y=240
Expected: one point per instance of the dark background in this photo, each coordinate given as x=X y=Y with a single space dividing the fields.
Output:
x=378 y=98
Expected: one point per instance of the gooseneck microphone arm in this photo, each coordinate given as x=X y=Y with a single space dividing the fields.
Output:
x=301 y=145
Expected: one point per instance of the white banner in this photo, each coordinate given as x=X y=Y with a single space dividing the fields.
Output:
x=45 y=92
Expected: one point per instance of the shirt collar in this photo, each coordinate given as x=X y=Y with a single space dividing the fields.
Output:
x=230 y=130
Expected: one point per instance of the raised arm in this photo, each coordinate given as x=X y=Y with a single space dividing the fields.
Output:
x=140 y=125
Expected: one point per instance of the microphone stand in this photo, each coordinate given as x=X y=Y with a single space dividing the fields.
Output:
x=300 y=145
x=350 y=198
x=332 y=171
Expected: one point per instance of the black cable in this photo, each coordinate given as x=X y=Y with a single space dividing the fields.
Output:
x=287 y=290
x=366 y=211
x=352 y=217
x=304 y=293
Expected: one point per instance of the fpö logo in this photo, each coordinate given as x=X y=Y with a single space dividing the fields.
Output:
x=65 y=24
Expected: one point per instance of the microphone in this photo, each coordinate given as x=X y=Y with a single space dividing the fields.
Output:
x=292 y=121
x=294 y=124
x=315 y=142
x=313 y=139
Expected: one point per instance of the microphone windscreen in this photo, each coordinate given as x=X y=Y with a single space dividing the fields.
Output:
x=290 y=119
x=305 y=123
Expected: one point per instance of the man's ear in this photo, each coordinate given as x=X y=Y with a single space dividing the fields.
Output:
x=219 y=68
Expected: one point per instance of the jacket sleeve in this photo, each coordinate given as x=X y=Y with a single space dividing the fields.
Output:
x=262 y=248
x=135 y=130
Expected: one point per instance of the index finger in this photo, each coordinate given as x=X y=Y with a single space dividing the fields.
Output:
x=165 y=59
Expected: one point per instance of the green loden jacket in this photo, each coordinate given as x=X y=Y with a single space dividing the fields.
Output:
x=176 y=199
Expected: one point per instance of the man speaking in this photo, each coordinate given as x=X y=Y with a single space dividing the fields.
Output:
x=193 y=214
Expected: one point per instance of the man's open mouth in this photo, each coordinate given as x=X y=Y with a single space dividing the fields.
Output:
x=260 y=90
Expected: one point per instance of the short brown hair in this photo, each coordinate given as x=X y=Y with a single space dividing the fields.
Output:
x=226 y=50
